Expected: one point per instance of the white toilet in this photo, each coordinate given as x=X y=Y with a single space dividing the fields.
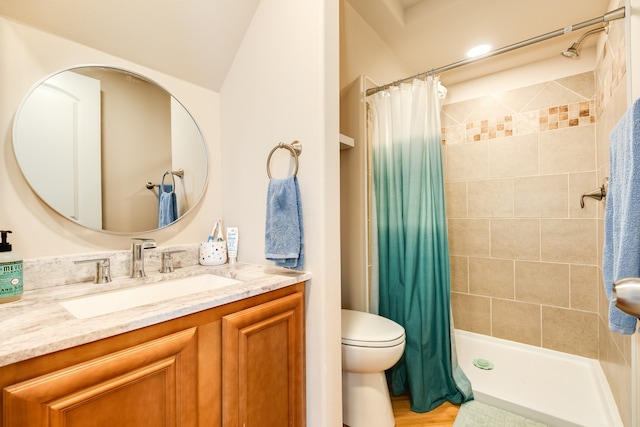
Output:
x=371 y=344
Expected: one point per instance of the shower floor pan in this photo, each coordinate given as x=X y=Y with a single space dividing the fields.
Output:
x=551 y=387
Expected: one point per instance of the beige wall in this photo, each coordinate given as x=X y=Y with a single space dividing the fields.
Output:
x=363 y=52
x=133 y=128
x=353 y=200
x=283 y=86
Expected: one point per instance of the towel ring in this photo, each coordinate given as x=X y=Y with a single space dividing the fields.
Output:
x=173 y=179
x=295 y=148
x=179 y=173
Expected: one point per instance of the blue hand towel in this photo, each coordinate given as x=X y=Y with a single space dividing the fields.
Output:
x=284 y=232
x=621 y=251
x=167 y=205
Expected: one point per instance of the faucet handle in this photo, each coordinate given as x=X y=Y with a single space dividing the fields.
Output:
x=103 y=269
x=167 y=260
x=144 y=243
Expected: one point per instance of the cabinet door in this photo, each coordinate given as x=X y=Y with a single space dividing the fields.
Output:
x=152 y=384
x=263 y=360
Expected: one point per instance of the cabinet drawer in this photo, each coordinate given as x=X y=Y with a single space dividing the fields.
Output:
x=150 y=384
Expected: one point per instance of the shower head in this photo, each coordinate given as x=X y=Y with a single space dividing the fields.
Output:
x=572 y=52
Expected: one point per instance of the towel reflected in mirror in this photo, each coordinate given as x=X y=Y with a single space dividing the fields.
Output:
x=167 y=205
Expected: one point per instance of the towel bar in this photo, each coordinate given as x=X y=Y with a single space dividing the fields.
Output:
x=598 y=194
x=296 y=150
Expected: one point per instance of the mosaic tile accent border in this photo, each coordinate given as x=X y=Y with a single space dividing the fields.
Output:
x=547 y=119
x=577 y=114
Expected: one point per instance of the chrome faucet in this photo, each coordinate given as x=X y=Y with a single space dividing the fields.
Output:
x=138 y=246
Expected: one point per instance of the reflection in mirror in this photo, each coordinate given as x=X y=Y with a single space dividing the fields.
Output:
x=94 y=143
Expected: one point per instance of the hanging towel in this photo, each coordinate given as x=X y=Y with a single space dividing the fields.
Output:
x=284 y=232
x=621 y=251
x=167 y=205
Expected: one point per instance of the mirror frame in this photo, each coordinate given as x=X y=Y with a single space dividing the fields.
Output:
x=196 y=200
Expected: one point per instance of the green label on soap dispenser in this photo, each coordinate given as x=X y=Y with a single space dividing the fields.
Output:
x=10 y=279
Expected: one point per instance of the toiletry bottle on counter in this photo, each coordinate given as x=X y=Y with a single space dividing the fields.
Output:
x=232 y=244
x=10 y=271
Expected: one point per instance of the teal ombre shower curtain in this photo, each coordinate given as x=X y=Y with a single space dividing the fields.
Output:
x=413 y=253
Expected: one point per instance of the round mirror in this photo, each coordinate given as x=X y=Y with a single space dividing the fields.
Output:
x=110 y=150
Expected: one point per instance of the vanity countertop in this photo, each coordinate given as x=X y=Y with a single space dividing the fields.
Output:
x=37 y=324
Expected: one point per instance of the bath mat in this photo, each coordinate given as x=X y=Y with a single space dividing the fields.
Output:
x=476 y=414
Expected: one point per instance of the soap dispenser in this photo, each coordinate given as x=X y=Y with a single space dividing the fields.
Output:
x=10 y=271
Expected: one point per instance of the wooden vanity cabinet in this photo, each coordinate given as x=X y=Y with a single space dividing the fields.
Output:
x=237 y=364
x=263 y=365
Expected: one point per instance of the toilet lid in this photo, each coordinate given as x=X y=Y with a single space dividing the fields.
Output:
x=369 y=330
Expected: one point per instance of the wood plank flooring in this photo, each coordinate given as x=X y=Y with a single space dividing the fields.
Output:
x=442 y=416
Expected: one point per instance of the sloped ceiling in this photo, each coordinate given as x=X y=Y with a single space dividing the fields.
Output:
x=427 y=34
x=194 y=40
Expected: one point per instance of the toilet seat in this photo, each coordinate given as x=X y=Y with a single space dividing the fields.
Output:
x=361 y=329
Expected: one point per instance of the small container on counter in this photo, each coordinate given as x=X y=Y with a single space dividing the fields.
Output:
x=213 y=253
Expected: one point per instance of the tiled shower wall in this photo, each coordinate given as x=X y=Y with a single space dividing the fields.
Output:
x=611 y=89
x=525 y=258
x=524 y=254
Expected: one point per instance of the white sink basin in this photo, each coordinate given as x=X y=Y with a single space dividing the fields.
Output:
x=110 y=302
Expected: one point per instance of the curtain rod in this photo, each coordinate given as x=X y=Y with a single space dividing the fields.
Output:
x=610 y=16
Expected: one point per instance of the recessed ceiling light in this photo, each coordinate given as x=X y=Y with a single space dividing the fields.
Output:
x=478 y=50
